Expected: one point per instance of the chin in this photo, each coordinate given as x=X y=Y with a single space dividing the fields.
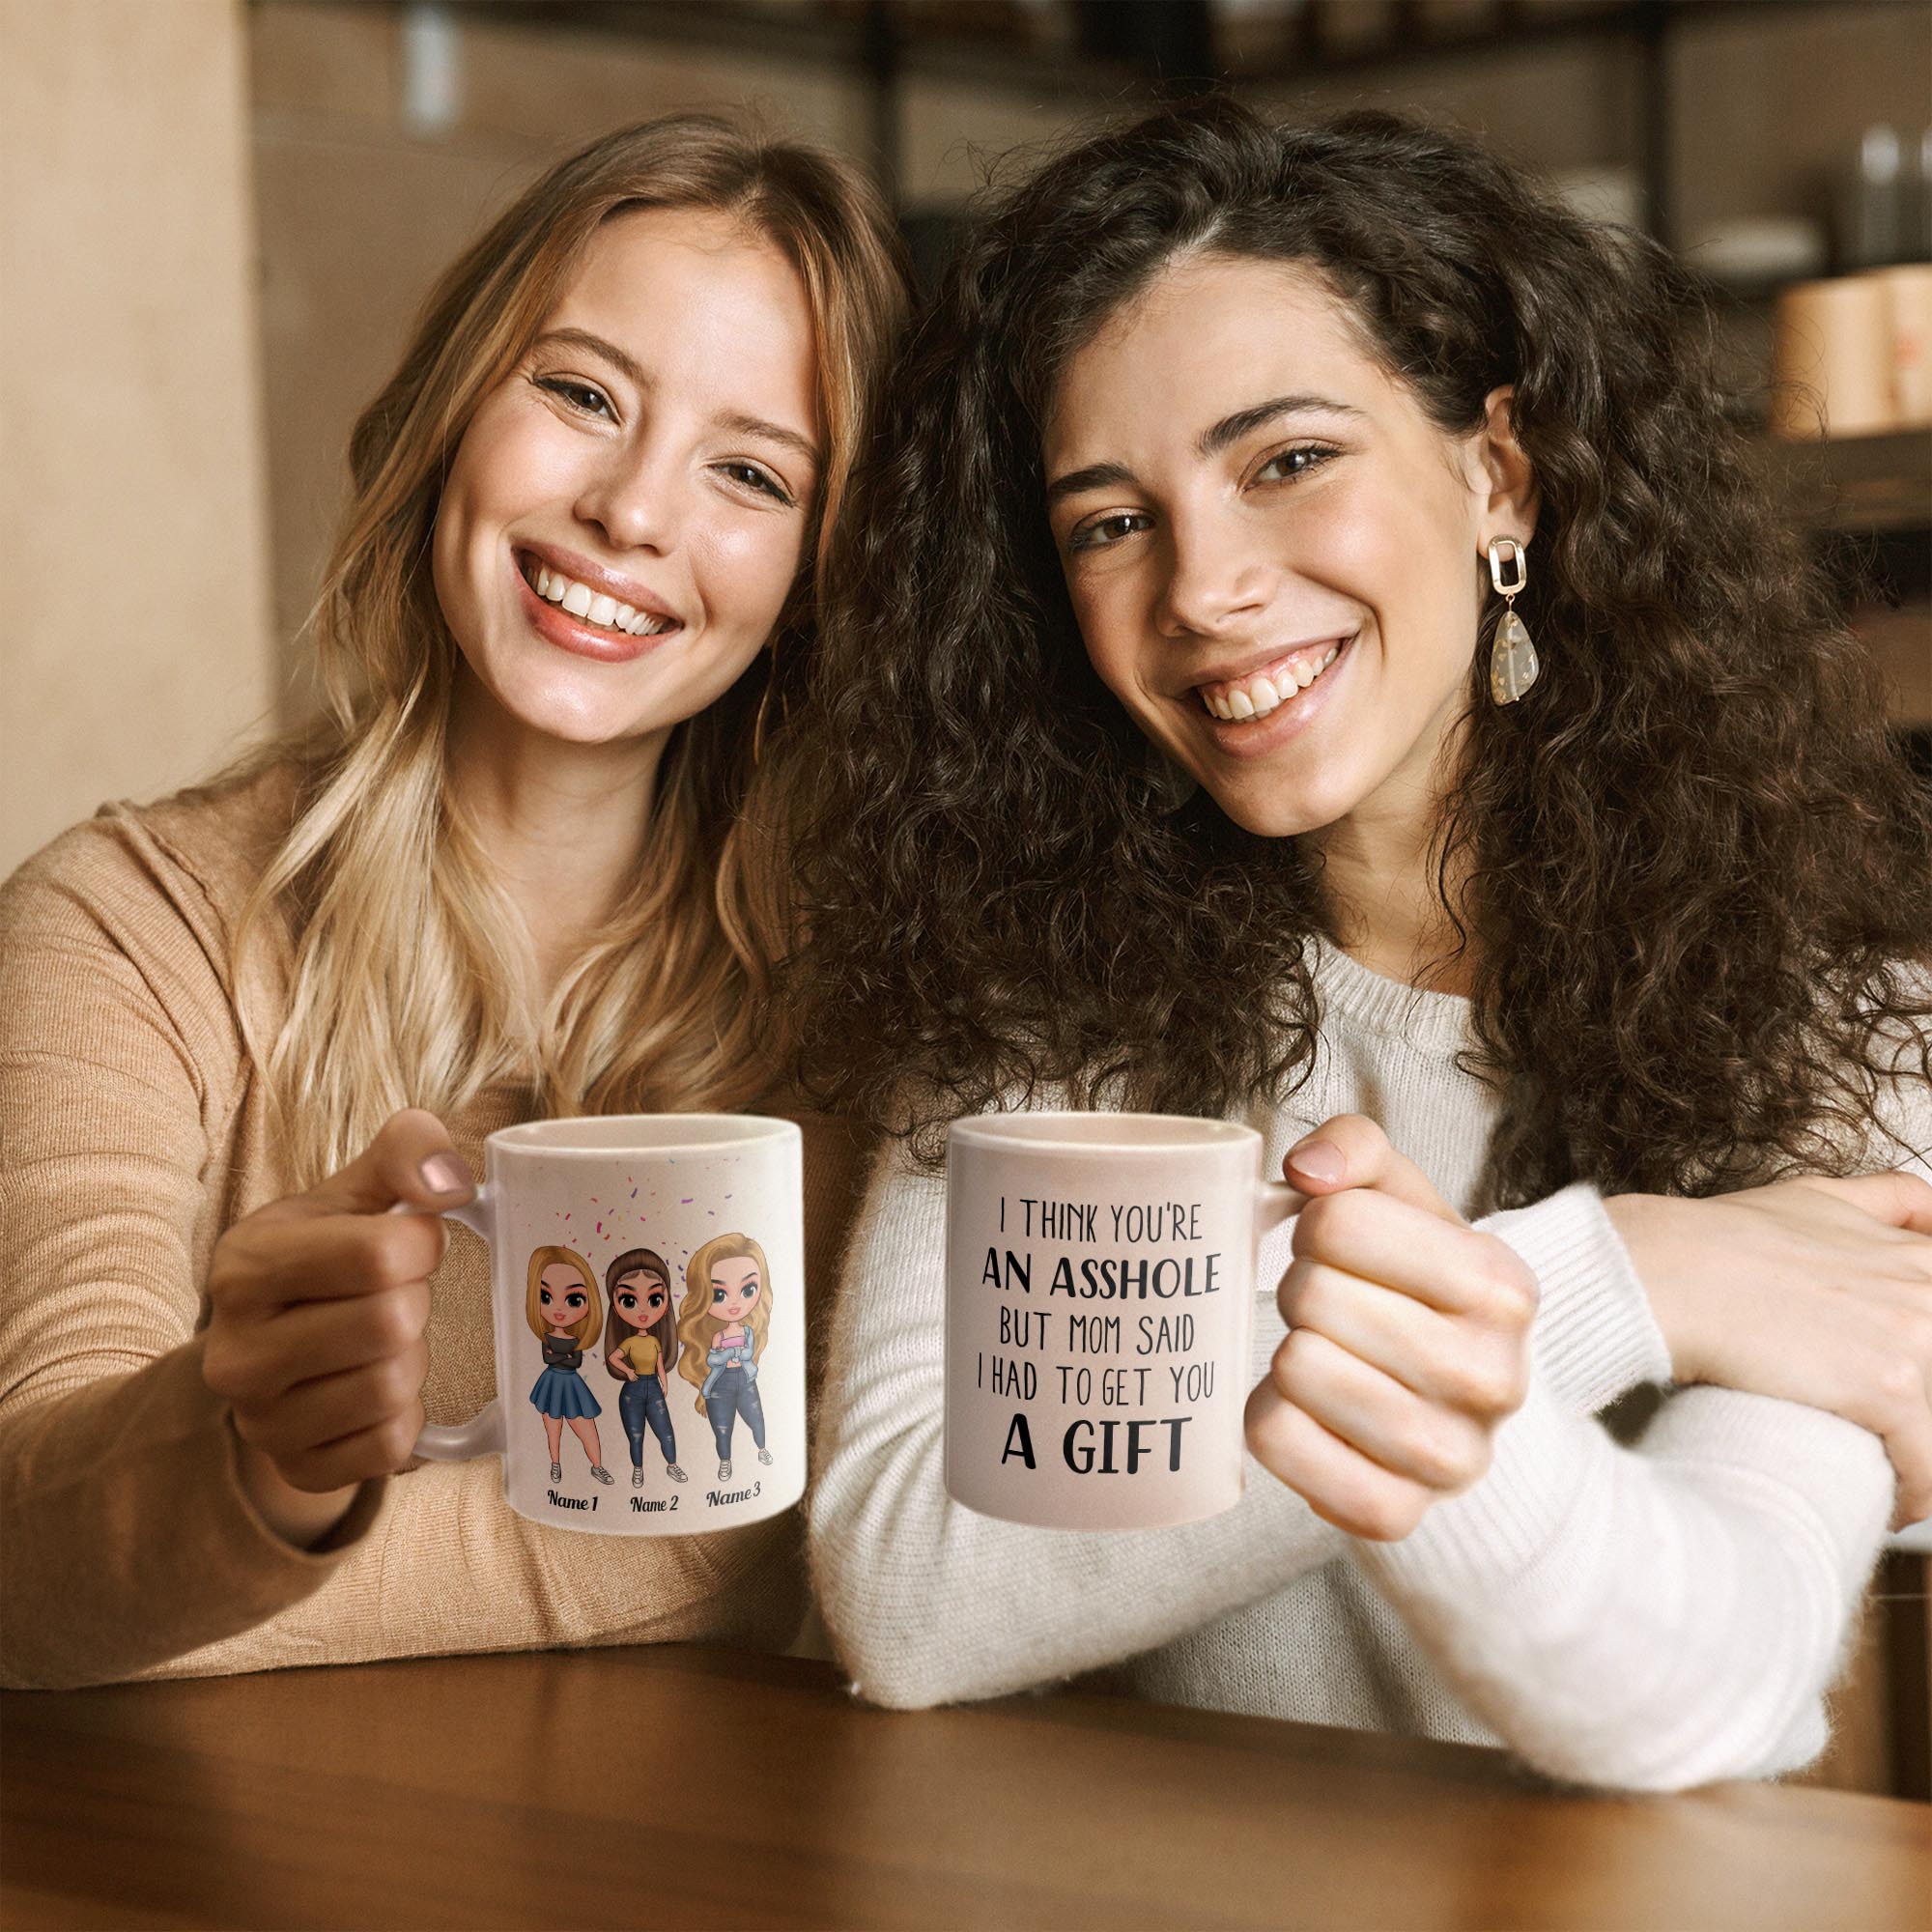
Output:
x=569 y=708
x=1276 y=812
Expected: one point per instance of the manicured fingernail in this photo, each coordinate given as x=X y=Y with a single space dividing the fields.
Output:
x=1319 y=1160
x=444 y=1174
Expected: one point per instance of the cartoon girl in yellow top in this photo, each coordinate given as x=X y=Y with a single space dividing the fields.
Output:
x=640 y=1345
x=725 y=1314
x=562 y=1310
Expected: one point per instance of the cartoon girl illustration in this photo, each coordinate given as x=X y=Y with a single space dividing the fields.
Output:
x=641 y=1347
x=722 y=1323
x=563 y=1313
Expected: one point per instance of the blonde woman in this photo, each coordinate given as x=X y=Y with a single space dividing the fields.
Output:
x=526 y=867
x=561 y=1308
x=723 y=1324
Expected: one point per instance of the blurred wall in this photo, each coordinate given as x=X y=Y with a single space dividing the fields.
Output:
x=135 y=654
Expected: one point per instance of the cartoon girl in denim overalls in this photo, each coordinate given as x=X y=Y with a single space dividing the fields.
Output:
x=562 y=1311
x=725 y=1314
x=642 y=1348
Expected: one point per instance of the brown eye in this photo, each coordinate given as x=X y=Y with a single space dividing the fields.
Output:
x=543 y=1296
x=627 y=1301
x=573 y=1301
x=655 y=1304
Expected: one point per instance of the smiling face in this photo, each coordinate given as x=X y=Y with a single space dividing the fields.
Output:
x=734 y=1288
x=1273 y=554
x=561 y=1295
x=640 y=1299
x=627 y=510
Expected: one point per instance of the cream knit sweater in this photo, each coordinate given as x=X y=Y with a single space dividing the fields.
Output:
x=1648 y=1617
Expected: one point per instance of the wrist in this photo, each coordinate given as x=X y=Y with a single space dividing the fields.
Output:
x=1646 y=1225
x=302 y=1518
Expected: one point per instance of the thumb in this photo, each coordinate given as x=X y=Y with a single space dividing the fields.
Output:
x=411 y=1161
x=1351 y=1151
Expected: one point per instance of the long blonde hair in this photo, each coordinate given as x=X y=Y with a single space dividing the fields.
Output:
x=696 y=1323
x=412 y=980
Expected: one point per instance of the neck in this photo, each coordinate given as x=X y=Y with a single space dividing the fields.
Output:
x=1378 y=879
x=562 y=824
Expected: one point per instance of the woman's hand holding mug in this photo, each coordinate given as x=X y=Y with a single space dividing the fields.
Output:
x=317 y=1306
x=1407 y=1345
x=1815 y=1290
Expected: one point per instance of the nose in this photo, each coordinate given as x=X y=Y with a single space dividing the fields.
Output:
x=1217 y=577
x=636 y=497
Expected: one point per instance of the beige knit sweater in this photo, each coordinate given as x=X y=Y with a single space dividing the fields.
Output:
x=134 y=1130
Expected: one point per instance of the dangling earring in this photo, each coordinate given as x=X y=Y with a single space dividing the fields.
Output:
x=1513 y=662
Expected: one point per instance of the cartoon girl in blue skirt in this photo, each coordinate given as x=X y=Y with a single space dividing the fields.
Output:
x=723 y=1324
x=641 y=1347
x=564 y=1314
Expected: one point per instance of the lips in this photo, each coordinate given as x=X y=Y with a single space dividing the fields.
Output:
x=578 y=636
x=1246 y=726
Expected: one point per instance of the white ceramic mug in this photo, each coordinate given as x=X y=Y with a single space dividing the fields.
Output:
x=1100 y=1281
x=647 y=1296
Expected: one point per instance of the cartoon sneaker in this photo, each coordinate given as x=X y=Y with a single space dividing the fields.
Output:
x=765 y=1457
x=674 y=1472
x=602 y=1475
x=724 y=1472
x=556 y=1472
x=638 y=1477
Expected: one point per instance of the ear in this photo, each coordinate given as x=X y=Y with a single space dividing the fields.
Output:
x=1503 y=475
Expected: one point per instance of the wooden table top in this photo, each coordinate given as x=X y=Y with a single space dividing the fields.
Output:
x=751 y=1791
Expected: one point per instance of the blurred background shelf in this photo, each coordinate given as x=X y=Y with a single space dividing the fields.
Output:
x=1861 y=484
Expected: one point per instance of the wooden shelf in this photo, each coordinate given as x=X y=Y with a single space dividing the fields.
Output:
x=1858 y=484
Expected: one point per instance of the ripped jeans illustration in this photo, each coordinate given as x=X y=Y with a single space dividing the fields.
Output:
x=728 y=1394
x=644 y=1402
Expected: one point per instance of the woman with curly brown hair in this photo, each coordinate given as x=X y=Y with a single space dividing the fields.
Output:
x=1318 y=654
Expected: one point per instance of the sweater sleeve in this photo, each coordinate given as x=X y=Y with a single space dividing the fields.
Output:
x=927 y=1601
x=1594 y=1337
x=128 y=1535
x=1665 y=1615
x=1650 y=1618
x=131 y=1547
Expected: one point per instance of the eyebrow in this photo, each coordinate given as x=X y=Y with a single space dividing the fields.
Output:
x=1230 y=428
x=634 y=373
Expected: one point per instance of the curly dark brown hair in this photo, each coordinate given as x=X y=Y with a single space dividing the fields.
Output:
x=1697 y=891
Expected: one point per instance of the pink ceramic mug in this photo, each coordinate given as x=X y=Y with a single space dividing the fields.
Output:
x=1100 y=1290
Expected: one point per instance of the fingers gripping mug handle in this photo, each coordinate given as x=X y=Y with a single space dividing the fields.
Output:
x=483 y=1433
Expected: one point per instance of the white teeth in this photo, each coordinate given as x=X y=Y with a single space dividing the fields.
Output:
x=1257 y=696
x=595 y=607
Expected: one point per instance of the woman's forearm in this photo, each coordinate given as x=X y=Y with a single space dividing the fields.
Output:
x=130 y=1535
x=1656 y=1618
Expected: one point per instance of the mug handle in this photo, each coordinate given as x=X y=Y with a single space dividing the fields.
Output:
x=1276 y=1201
x=483 y=1433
